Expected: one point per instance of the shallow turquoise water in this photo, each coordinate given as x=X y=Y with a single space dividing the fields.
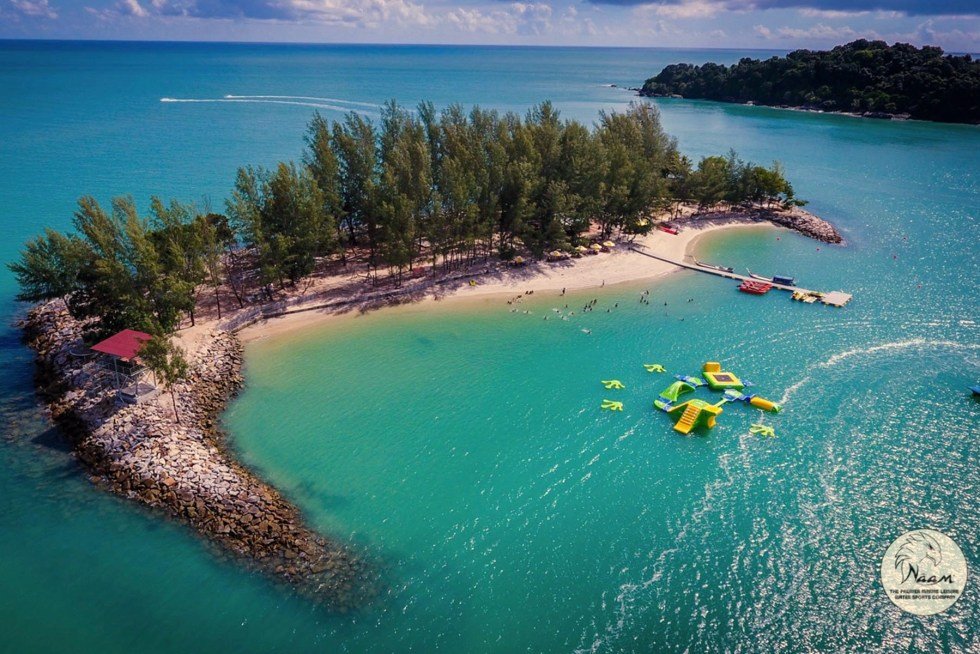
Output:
x=463 y=450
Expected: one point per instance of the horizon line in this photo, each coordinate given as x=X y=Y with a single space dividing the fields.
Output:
x=15 y=39
x=381 y=43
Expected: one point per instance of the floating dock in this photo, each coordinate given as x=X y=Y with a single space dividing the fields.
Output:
x=833 y=298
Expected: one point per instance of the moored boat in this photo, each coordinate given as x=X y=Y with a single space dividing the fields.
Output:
x=670 y=229
x=808 y=297
x=726 y=269
x=782 y=280
x=755 y=287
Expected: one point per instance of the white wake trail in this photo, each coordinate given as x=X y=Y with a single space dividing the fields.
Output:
x=915 y=343
x=317 y=105
x=302 y=97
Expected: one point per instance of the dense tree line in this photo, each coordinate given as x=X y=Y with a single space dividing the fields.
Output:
x=437 y=188
x=862 y=76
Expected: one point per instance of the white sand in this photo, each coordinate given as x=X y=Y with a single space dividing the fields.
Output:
x=590 y=271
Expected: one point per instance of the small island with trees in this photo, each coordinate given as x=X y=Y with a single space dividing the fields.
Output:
x=866 y=78
x=422 y=188
x=376 y=212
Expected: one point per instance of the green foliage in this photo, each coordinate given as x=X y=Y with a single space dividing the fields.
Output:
x=862 y=76
x=283 y=215
x=729 y=179
x=168 y=362
x=50 y=266
x=443 y=186
x=123 y=270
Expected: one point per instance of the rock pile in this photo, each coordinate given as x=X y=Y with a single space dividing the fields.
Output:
x=141 y=452
x=793 y=218
x=805 y=223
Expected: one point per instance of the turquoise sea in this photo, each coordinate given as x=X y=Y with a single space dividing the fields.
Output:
x=461 y=448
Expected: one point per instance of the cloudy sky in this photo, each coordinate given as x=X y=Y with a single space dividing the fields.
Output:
x=952 y=24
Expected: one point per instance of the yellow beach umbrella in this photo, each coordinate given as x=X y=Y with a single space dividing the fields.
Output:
x=596 y=247
x=608 y=244
x=518 y=260
x=581 y=248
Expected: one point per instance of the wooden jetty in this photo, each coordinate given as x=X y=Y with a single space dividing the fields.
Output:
x=833 y=298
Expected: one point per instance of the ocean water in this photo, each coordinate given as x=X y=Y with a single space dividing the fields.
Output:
x=461 y=448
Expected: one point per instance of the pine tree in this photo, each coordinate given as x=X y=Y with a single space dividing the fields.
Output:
x=168 y=362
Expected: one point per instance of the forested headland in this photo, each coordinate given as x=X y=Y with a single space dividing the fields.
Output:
x=865 y=77
x=439 y=189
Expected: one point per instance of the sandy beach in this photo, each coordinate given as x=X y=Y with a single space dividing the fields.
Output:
x=618 y=266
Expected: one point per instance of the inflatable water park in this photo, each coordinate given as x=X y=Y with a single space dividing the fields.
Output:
x=696 y=414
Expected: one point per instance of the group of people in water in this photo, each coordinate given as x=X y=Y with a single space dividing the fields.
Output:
x=564 y=314
x=519 y=298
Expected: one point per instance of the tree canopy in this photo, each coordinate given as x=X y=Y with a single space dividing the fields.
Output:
x=862 y=77
x=441 y=188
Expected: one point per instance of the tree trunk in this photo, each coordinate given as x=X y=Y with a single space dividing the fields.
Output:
x=173 y=399
x=217 y=301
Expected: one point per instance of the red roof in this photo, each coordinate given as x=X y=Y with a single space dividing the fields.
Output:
x=124 y=345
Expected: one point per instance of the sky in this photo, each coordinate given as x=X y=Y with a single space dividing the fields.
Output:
x=758 y=24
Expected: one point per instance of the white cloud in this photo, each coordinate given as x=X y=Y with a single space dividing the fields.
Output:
x=818 y=31
x=927 y=32
x=685 y=9
x=131 y=8
x=475 y=20
x=357 y=13
x=514 y=18
x=831 y=13
x=532 y=17
x=517 y=17
x=34 y=8
x=763 y=31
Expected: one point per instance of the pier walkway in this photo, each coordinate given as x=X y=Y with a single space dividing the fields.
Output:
x=833 y=298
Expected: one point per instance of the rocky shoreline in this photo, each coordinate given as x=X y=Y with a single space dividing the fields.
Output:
x=795 y=218
x=141 y=452
x=809 y=108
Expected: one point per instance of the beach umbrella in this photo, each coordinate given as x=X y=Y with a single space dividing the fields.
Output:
x=596 y=247
x=518 y=261
x=608 y=244
x=581 y=248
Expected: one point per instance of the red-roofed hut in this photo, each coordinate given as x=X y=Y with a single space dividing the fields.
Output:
x=123 y=349
x=124 y=346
